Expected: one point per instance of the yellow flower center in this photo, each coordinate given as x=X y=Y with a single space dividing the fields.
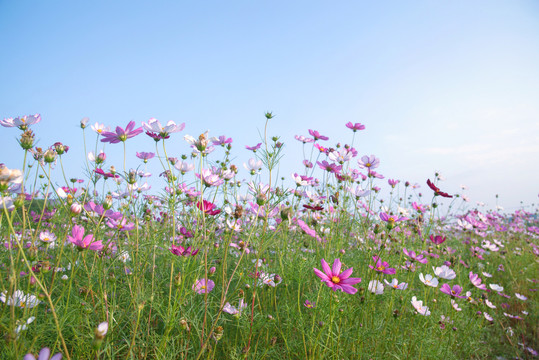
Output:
x=368 y=164
x=335 y=279
x=381 y=268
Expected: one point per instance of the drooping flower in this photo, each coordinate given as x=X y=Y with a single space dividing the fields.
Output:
x=335 y=279
x=78 y=239
x=418 y=305
x=43 y=355
x=455 y=291
x=382 y=267
x=437 y=191
x=428 y=280
x=121 y=135
x=203 y=286
x=444 y=272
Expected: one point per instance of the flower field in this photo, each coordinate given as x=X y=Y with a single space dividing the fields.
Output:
x=226 y=260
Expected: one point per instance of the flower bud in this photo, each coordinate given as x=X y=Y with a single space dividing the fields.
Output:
x=50 y=156
x=27 y=140
x=76 y=209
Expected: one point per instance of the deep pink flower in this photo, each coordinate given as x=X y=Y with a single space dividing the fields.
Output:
x=78 y=239
x=355 y=127
x=382 y=267
x=317 y=136
x=455 y=291
x=437 y=191
x=438 y=239
x=208 y=208
x=121 y=135
x=181 y=251
x=335 y=279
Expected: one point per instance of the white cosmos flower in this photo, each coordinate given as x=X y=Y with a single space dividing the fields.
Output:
x=418 y=305
x=521 y=297
x=24 y=326
x=486 y=274
x=376 y=287
x=496 y=287
x=490 y=304
x=428 y=280
x=444 y=272
x=20 y=299
x=487 y=316
x=102 y=329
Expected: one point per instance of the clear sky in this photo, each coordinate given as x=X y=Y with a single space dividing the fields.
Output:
x=447 y=86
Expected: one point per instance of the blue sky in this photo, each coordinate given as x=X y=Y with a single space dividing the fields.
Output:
x=446 y=86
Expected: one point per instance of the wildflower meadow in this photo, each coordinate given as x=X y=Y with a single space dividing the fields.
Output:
x=212 y=258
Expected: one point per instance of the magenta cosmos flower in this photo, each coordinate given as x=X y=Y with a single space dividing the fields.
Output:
x=121 y=135
x=78 y=239
x=382 y=267
x=203 y=286
x=181 y=251
x=455 y=291
x=335 y=279
x=355 y=127
x=437 y=191
x=208 y=208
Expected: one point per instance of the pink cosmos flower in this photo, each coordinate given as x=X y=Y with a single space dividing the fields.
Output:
x=455 y=291
x=355 y=127
x=317 y=136
x=333 y=168
x=181 y=251
x=208 y=208
x=222 y=140
x=120 y=224
x=145 y=156
x=412 y=255
x=121 y=135
x=203 y=286
x=393 y=182
x=382 y=267
x=391 y=218
x=303 y=139
x=78 y=239
x=254 y=148
x=154 y=127
x=476 y=281
x=210 y=177
x=335 y=279
x=21 y=122
x=369 y=162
